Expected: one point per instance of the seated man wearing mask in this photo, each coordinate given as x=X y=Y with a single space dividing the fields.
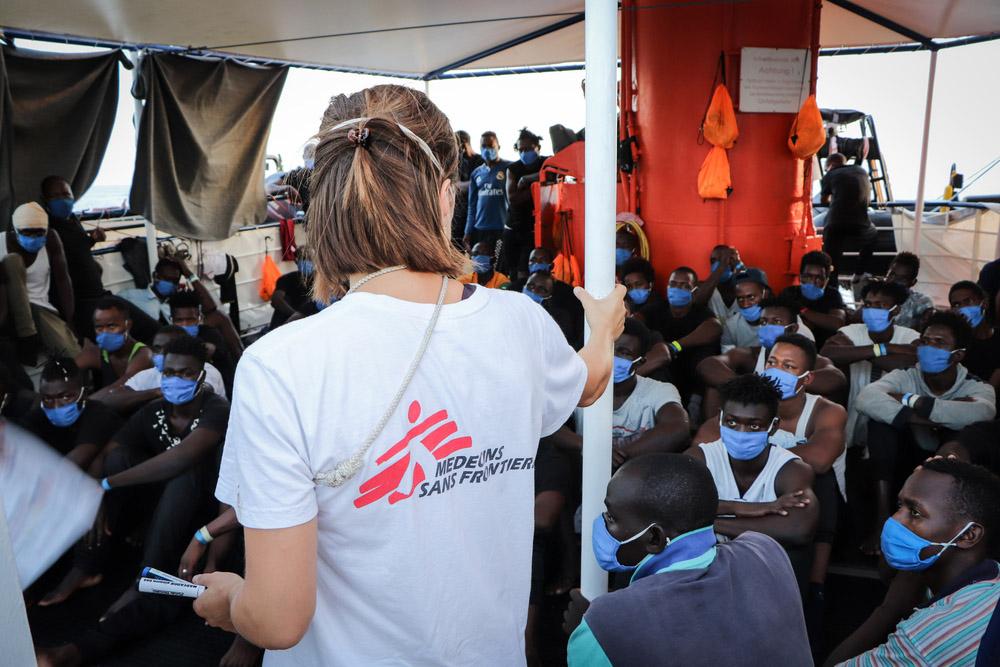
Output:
x=647 y=416
x=812 y=428
x=690 y=331
x=293 y=292
x=32 y=259
x=912 y=411
x=822 y=307
x=778 y=317
x=543 y=260
x=161 y=467
x=690 y=601
x=869 y=350
x=982 y=356
x=75 y=426
x=541 y=288
x=762 y=487
x=153 y=299
x=484 y=267
x=942 y=537
x=740 y=330
x=117 y=356
x=716 y=291
x=913 y=312
x=144 y=386
x=186 y=312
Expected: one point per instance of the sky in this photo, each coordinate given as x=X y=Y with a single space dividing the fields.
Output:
x=891 y=87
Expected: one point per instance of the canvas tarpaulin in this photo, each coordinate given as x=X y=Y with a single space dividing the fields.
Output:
x=199 y=164
x=56 y=116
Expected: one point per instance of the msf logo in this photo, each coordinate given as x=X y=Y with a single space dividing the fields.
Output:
x=403 y=463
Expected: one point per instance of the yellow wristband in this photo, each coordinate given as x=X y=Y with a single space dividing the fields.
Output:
x=676 y=346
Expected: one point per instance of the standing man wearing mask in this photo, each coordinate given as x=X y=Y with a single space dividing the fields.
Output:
x=33 y=261
x=519 y=230
x=912 y=411
x=761 y=487
x=117 y=355
x=483 y=267
x=468 y=161
x=76 y=427
x=684 y=586
x=84 y=271
x=940 y=538
x=487 y=195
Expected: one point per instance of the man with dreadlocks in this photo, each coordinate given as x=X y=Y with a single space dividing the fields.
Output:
x=519 y=228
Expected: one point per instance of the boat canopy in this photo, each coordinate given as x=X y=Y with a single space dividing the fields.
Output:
x=430 y=39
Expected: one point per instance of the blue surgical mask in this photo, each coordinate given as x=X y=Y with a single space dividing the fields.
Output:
x=110 y=341
x=539 y=266
x=178 y=390
x=527 y=157
x=622 y=255
x=811 y=292
x=482 y=263
x=489 y=154
x=64 y=415
x=769 y=333
x=164 y=287
x=751 y=314
x=306 y=267
x=743 y=445
x=876 y=319
x=639 y=295
x=678 y=297
x=191 y=329
x=606 y=546
x=537 y=298
x=974 y=314
x=788 y=384
x=623 y=369
x=61 y=208
x=158 y=362
x=901 y=546
x=933 y=359
x=31 y=244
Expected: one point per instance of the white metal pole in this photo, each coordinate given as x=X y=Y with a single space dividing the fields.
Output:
x=918 y=211
x=601 y=36
x=151 y=251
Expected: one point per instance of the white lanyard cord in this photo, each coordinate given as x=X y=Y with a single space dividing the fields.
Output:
x=348 y=468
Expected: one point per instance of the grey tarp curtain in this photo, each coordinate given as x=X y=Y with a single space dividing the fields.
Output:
x=199 y=164
x=56 y=116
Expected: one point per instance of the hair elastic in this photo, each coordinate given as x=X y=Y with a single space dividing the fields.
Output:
x=362 y=135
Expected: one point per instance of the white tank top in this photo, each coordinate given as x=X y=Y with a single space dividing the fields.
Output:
x=39 y=276
x=762 y=489
x=786 y=439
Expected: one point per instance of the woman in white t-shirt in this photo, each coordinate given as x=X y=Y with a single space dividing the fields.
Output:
x=386 y=493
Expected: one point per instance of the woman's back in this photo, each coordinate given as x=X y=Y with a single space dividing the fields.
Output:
x=424 y=556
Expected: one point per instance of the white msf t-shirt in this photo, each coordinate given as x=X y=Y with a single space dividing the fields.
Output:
x=424 y=557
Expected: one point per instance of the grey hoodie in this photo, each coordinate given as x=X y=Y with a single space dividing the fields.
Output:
x=947 y=409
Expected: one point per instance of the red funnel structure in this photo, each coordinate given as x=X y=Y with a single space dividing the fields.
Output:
x=676 y=55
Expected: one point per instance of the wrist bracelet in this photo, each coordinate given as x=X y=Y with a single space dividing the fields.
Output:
x=203 y=535
x=884 y=348
x=905 y=400
x=911 y=402
x=676 y=346
x=105 y=484
x=877 y=350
